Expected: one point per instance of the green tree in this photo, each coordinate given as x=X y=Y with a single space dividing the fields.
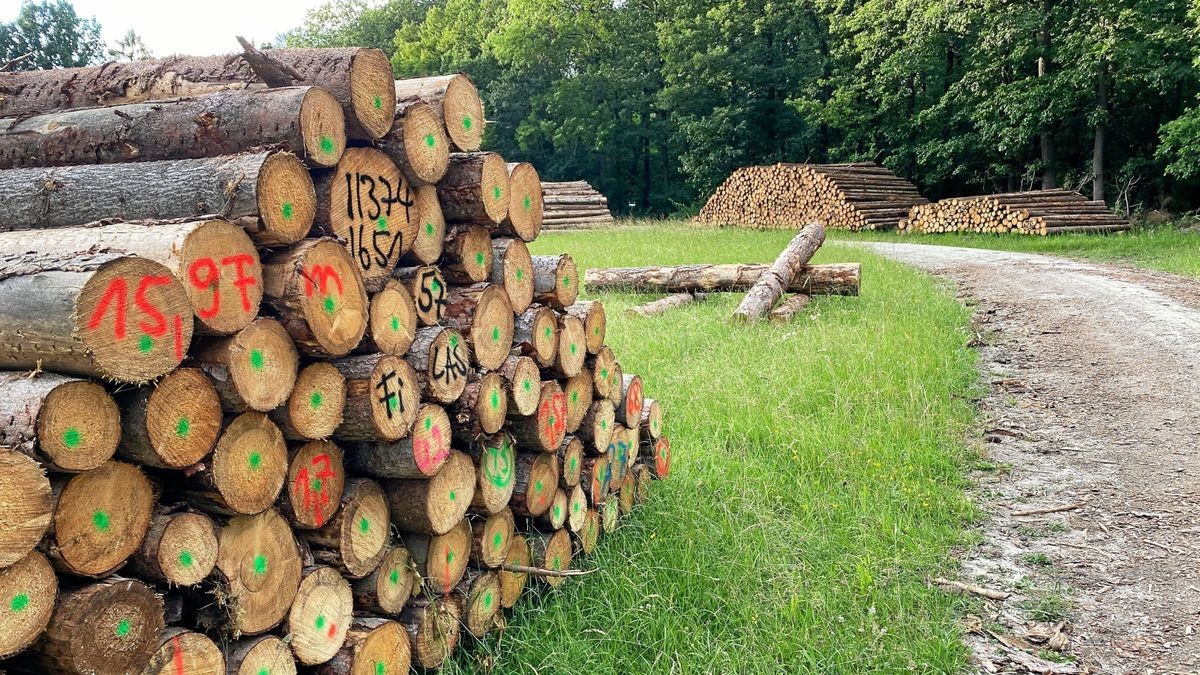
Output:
x=340 y=23
x=52 y=35
x=130 y=48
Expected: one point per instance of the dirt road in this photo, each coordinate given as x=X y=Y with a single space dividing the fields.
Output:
x=1094 y=408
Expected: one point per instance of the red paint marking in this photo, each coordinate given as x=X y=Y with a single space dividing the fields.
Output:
x=178 y=338
x=209 y=280
x=177 y=658
x=332 y=630
x=424 y=454
x=157 y=326
x=314 y=501
x=662 y=457
x=243 y=281
x=553 y=416
x=116 y=291
x=634 y=400
x=322 y=275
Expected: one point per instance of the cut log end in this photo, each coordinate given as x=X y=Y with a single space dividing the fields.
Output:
x=249 y=464
x=255 y=656
x=393 y=318
x=364 y=527
x=556 y=280
x=522 y=377
x=111 y=626
x=185 y=651
x=491 y=538
x=512 y=584
x=437 y=504
x=551 y=552
x=370 y=208
x=570 y=461
x=181 y=548
x=463 y=112
x=442 y=558
x=423 y=141
x=26 y=501
x=536 y=334
x=603 y=366
x=318 y=290
x=28 y=589
x=287 y=201
x=260 y=565
x=315 y=481
x=320 y=616
x=629 y=412
x=661 y=457
x=315 y=407
x=652 y=419
x=387 y=589
x=383 y=397
x=572 y=347
x=468 y=256
x=512 y=268
x=595 y=322
x=536 y=483
x=481 y=604
x=323 y=127
x=372 y=92
x=78 y=426
x=431 y=230
x=258 y=365
x=524 y=202
x=428 y=288
x=597 y=426
x=433 y=631
x=447 y=366
x=174 y=424
x=101 y=518
x=491 y=324
x=578 y=391
x=578 y=505
x=496 y=460
x=373 y=647
x=589 y=534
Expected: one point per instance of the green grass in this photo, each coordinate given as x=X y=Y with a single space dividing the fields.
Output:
x=818 y=479
x=1164 y=247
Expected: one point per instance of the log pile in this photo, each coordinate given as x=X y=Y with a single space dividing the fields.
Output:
x=573 y=205
x=1036 y=212
x=856 y=196
x=312 y=405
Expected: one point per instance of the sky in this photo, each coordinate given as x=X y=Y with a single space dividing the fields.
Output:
x=172 y=27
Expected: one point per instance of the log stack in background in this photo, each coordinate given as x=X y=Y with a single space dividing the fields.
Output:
x=857 y=196
x=573 y=205
x=309 y=405
x=1037 y=212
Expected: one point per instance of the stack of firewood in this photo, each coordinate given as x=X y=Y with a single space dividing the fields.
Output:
x=859 y=196
x=282 y=384
x=573 y=205
x=1037 y=212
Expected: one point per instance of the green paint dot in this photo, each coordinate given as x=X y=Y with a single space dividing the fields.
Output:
x=479 y=258
x=557 y=512
x=453 y=496
x=123 y=627
x=566 y=281
x=449 y=556
x=72 y=438
x=429 y=229
x=264 y=671
x=320 y=621
x=185 y=558
x=146 y=343
x=330 y=305
x=548 y=332
x=380 y=668
x=528 y=203
x=394 y=577
x=467 y=123
x=574 y=397
x=520 y=274
x=260 y=564
x=454 y=342
x=378 y=103
x=596 y=330
x=538 y=486
x=557 y=562
x=100 y=520
x=495 y=400
x=255 y=461
x=327 y=144
x=428 y=423
x=487 y=601
x=497 y=540
x=316 y=484
x=288 y=210
x=257 y=361
x=603 y=424
x=496 y=192
x=604 y=373
x=528 y=385
x=316 y=400
x=183 y=427
x=552 y=420
x=364 y=526
x=429 y=140
x=496 y=334
x=395 y=324
x=575 y=463
x=435 y=286
x=573 y=349
x=21 y=600
x=381 y=224
x=393 y=403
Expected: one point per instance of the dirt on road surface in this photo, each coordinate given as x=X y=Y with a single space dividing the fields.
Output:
x=1093 y=419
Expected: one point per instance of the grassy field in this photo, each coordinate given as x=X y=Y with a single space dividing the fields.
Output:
x=1165 y=247
x=818 y=479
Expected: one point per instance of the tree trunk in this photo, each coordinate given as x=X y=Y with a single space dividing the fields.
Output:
x=1101 y=126
x=420 y=455
x=483 y=313
x=467 y=256
x=392 y=320
x=771 y=285
x=536 y=481
x=433 y=631
x=455 y=100
x=482 y=408
x=551 y=552
x=252 y=656
x=86 y=636
x=27 y=501
x=417 y=142
x=63 y=422
x=788 y=309
x=838 y=279
x=173 y=424
x=494 y=458
x=434 y=505
x=317 y=292
x=254 y=369
x=475 y=189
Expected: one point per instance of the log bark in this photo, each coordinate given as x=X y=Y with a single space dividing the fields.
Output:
x=836 y=279
x=31 y=589
x=665 y=304
x=771 y=285
x=87 y=636
x=787 y=310
x=316 y=405
x=467 y=256
x=419 y=455
x=382 y=397
x=455 y=100
x=524 y=219
x=246 y=471
x=100 y=519
x=475 y=189
x=316 y=291
x=254 y=369
x=417 y=142
x=442 y=360
x=555 y=280
x=66 y=423
x=304 y=120
x=173 y=424
x=320 y=615
x=434 y=505
x=26 y=498
x=482 y=313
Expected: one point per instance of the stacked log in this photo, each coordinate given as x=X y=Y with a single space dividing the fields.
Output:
x=308 y=407
x=855 y=196
x=1037 y=212
x=572 y=205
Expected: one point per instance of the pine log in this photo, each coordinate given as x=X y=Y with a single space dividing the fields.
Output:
x=389 y=586
x=373 y=646
x=577 y=508
x=629 y=413
x=433 y=631
x=788 y=309
x=651 y=421
x=618 y=455
x=434 y=505
x=382 y=397
x=478 y=598
x=27 y=501
x=442 y=360
x=474 y=190
x=455 y=100
x=482 y=408
x=417 y=143
x=253 y=369
x=441 y=559
x=494 y=458
x=316 y=478
x=421 y=454
x=596 y=427
x=512 y=268
x=246 y=471
x=570 y=461
x=770 y=287
x=836 y=279
x=603 y=366
x=185 y=651
x=610 y=515
x=625 y=494
x=512 y=584
x=551 y=552
x=356 y=538
x=100 y=519
x=304 y=120
x=29 y=589
x=658 y=456
x=524 y=219
x=522 y=378
x=555 y=280
x=431 y=234
x=616 y=377
x=572 y=347
x=428 y=288
x=315 y=407
x=535 y=483
x=482 y=313
x=596 y=477
x=555 y=517
x=317 y=292
x=490 y=538
x=180 y=548
x=642 y=476
x=392 y=320
x=578 y=392
x=257 y=575
x=595 y=322
x=173 y=424
x=253 y=656
x=589 y=533
x=66 y=423
x=546 y=429
x=665 y=304
x=535 y=334
x=467 y=256
x=110 y=627
x=319 y=617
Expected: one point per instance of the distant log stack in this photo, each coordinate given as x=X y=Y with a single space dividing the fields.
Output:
x=573 y=205
x=857 y=196
x=251 y=369
x=1037 y=212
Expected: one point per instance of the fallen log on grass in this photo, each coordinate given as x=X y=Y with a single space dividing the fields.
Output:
x=771 y=285
x=829 y=279
x=663 y=305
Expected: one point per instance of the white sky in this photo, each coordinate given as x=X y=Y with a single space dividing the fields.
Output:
x=172 y=27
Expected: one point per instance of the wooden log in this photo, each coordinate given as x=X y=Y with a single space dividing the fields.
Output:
x=651 y=421
x=596 y=477
x=382 y=397
x=555 y=280
x=610 y=515
x=319 y=617
x=524 y=219
x=484 y=315
x=603 y=371
x=373 y=646
x=26 y=498
x=482 y=408
x=467 y=255
x=253 y=369
x=658 y=456
x=595 y=322
x=29 y=589
x=417 y=143
x=572 y=347
x=66 y=423
x=642 y=476
x=366 y=203
x=512 y=268
x=257 y=574
x=433 y=631
x=422 y=454
x=315 y=407
x=269 y=194
x=317 y=292
x=173 y=424
x=253 y=656
x=625 y=494
x=577 y=506
x=85 y=314
x=474 y=190
x=100 y=519
x=303 y=120
x=570 y=461
x=837 y=279
x=389 y=586
x=490 y=538
x=787 y=309
x=246 y=471
x=589 y=533
x=555 y=517
x=355 y=539
x=551 y=552
x=494 y=458
x=455 y=100
x=110 y=626
x=442 y=360
x=618 y=455
x=478 y=598
x=428 y=288
x=392 y=320
x=629 y=413
x=665 y=304
x=535 y=483
x=596 y=427
x=431 y=234
x=185 y=651
x=615 y=391
x=315 y=480
x=770 y=287
x=546 y=429
x=441 y=559
x=578 y=392
x=512 y=583
x=522 y=379
x=434 y=505
x=180 y=548
x=535 y=334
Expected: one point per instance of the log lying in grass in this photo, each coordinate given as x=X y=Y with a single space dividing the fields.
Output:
x=770 y=286
x=417 y=142
x=787 y=310
x=833 y=279
x=66 y=423
x=475 y=189
x=1035 y=212
x=456 y=100
x=665 y=304
x=305 y=120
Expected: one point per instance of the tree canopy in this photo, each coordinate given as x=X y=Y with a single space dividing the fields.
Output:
x=49 y=34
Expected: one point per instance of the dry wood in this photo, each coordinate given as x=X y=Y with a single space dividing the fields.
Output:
x=246 y=471
x=577 y=506
x=1048 y=510
x=433 y=630
x=474 y=190
x=185 y=651
x=570 y=461
x=382 y=397
x=535 y=334
x=315 y=407
x=551 y=552
x=572 y=347
x=173 y=424
x=319 y=617
x=482 y=408
x=419 y=455
x=1039 y=212
x=100 y=519
x=610 y=515
x=836 y=279
x=555 y=280
x=253 y=369
x=657 y=456
x=252 y=656
x=441 y=559
x=434 y=505
x=495 y=459
x=490 y=538
x=478 y=598
x=522 y=379
x=455 y=100
x=428 y=288
x=316 y=478
x=545 y=429
x=604 y=367
x=770 y=286
x=512 y=268
x=442 y=359
x=651 y=421
x=180 y=548
x=512 y=581
x=482 y=313
x=431 y=233
x=316 y=291
x=596 y=478
x=595 y=322
x=535 y=483
x=524 y=219
x=555 y=517
x=258 y=571
x=373 y=646
x=66 y=423
x=30 y=588
x=467 y=255
x=597 y=425
x=590 y=532
x=989 y=593
x=389 y=586
x=392 y=320
x=788 y=309
x=25 y=497
x=109 y=627
x=578 y=392
x=417 y=142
